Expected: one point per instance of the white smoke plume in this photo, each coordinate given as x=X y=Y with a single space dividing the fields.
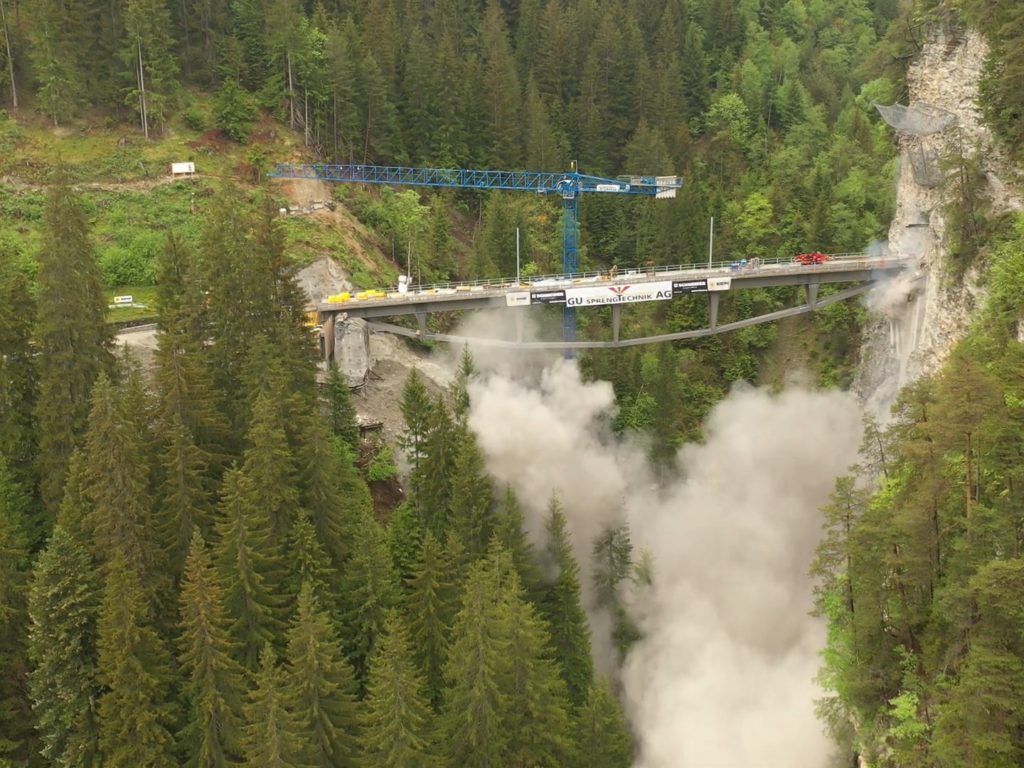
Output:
x=723 y=677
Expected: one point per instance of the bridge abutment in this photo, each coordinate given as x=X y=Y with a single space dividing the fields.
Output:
x=350 y=348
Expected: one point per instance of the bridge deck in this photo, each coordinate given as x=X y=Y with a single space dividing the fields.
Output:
x=450 y=297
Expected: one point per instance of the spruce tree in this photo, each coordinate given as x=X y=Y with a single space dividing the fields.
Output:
x=397 y=723
x=370 y=589
x=338 y=403
x=405 y=537
x=510 y=532
x=476 y=706
x=250 y=568
x=72 y=339
x=432 y=489
x=321 y=686
x=135 y=712
x=416 y=408
x=273 y=733
x=309 y=563
x=613 y=565
x=147 y=51
x=117 y=484
x=430 y=605
x=561 y=608
x=215 y=686
x=183 y=502
x=333 y=492
x=472 y=498
x=460 y=385
x=16 y=731
x=17 y=377
x=268 y=465
x=602 y=736
x=63 y=604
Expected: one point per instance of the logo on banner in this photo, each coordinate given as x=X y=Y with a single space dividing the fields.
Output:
x=547 y=297
x=618 y=294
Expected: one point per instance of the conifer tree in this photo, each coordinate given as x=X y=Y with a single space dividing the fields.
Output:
x=72 y=338
x=510 y=533
x=215 y=685
x=250 y=568
x=310 y=563
x=397 y=722
x=321 y=686
x=117 y=483
x=63 y=605
x=430 y=605
x=147 y=52
x=333 y=492
x=370 y=589
x=273 y=733
x=613 y=565
x=135 y=713
x=602 y=736
x=460 y=385
x=340 y=414
x=561 y=607
x=436 y=470
x=405 y=537
x=472 y=498
x=16 y=731
x=17 y=376
x=475 y=669
x=416 y=407
x=268 y=465
x=183 y=502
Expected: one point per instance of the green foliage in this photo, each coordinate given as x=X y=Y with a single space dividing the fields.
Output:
x=71 y=336
x=321 y=686
x=63 y=606
x=382 y=465
x=234 y=110
x=273 y=734
x=216 y=683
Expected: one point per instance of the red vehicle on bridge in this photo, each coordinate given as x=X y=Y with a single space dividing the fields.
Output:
x=810 y=259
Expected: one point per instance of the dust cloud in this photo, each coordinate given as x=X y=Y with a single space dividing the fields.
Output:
x=723 y=677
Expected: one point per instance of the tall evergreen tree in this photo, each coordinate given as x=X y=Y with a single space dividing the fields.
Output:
x=135 y=712
x=72 y=338
x=269 y=466
x=431 y=607
x=472 y=498
x=602 y=736
x=396 y=722
x=370 y=589
x=561 y=607
x=183 y=503
x=436 y=469
x=250 y=568
x=17 y=742
x=63 y=606
x=216 y=684
x=321 y=686
x=416 y=408
x=117 y=484
x=17 y=375
x=510 y=532
x=340 y=414
x=147 y=51
x=273 y=733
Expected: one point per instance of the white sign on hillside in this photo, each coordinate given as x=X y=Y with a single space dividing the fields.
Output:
x=183 y=169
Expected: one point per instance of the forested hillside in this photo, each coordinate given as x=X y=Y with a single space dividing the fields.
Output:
x=192 y=571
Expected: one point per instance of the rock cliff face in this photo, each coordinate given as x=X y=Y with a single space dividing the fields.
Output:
x=920 y=316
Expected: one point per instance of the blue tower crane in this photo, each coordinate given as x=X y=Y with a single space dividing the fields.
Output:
x=569 y=185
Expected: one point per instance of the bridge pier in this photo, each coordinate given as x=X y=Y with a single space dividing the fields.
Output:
x=520 y=319
x=616 y=321
x=713 y=299
x=351 y=349
x=327 y=334
x=812 y=294
x=421 y=323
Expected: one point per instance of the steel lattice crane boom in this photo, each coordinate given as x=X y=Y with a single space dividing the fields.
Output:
x=569 y=186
